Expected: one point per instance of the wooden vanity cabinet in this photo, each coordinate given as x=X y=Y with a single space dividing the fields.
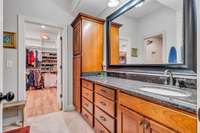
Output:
x=105 y=107
x=76 y=82
x=129 y=121
x=151 y=117
x=88 y=36
x=87 y=102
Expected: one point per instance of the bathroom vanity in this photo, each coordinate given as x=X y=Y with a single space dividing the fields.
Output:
x=144 y=38
x=118 y=105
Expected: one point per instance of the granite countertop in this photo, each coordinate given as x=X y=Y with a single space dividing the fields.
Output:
x=188 y=104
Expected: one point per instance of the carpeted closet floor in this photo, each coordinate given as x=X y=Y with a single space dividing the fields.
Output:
x=40 y=102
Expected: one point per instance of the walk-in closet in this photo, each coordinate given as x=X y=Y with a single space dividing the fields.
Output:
x=43 y=59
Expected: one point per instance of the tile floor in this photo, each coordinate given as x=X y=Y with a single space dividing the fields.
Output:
x=59 y=122
x=41 y=102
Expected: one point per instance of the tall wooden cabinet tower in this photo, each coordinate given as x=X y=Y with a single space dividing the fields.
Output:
x=88 y=38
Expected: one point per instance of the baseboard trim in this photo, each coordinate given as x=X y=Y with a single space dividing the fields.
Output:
x=69 y=108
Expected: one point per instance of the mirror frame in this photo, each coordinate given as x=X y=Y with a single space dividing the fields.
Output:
x=189 y=37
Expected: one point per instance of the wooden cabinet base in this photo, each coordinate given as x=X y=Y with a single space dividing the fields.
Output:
x=87 y=116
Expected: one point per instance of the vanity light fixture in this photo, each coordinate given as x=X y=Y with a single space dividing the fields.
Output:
x=113 y=3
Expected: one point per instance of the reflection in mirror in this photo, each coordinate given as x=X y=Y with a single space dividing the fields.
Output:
x=149 y=33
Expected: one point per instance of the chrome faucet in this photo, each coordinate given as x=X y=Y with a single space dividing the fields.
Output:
x=166 y=73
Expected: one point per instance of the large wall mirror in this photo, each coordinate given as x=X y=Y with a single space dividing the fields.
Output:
x=152 y=33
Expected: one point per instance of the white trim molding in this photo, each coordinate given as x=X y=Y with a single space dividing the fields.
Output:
x=1 y=62
x=67 y=96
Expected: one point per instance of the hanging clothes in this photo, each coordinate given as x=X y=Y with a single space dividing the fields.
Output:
x=34 y=79
x=34 y=57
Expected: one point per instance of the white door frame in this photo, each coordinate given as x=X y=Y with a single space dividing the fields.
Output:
x=22 y=58
x=1 y=62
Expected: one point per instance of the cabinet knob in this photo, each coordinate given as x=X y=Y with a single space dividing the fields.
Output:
x=103 y=103
x=146 y=125
x=102 y=118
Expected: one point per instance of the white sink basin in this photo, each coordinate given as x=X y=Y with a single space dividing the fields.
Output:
x=166 y=92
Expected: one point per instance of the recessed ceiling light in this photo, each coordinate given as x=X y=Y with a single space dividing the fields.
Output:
x=43 y=26
x=113 y=3
x=44 y=36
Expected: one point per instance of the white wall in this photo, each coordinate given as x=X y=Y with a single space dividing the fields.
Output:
x=53 y=11
x=1 y=58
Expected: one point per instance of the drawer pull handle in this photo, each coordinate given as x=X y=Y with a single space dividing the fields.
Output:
x=146 y=125
x=86 y=104
x=86 y=116
x=104 y=91
x=103 y=103
x=101 y=131
x=102 y=118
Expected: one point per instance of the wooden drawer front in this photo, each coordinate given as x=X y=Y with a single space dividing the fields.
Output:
x=99 y=128
x=180 y=121
x=87 y=84
x=105 y=119
x=88 y=94
x=87 y=105
x=105 y=104
x=87 y=116
x=106 y=92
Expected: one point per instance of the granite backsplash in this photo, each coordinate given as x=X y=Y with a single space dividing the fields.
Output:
x=183 y=82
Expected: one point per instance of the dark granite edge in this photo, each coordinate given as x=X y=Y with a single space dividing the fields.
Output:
x=146 y=97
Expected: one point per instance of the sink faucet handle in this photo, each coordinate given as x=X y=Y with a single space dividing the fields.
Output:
x=177 y=83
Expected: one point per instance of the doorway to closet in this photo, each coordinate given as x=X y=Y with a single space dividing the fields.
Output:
x=43 y=45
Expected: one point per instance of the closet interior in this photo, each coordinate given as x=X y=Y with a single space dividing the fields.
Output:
x=43 y=45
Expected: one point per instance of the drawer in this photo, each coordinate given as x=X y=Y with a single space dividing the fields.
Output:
x=106 y=92
x=87 y=84
x=99 y=128
x=105 y=104
x=88 y=94
x=87 y=105
x=107 y=121
x=87 y=116
x=177 y=120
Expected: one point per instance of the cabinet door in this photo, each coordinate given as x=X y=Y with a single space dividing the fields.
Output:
x=129 y=121
x=92 y=46
x=153 y=127
x=77 y=39
x=114 y=45
x=76 y=82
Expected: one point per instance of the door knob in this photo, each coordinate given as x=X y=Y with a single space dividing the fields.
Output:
x=8 y=97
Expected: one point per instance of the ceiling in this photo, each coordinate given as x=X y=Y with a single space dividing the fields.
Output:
x=151 y=6
x=98 y=7
x=33 y=33
x=92 y=7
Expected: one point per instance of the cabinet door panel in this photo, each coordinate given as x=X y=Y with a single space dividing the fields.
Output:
x=76 y=82
x=77 y=39
x=129 y=121
x=157 y=128
x=92 y=46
